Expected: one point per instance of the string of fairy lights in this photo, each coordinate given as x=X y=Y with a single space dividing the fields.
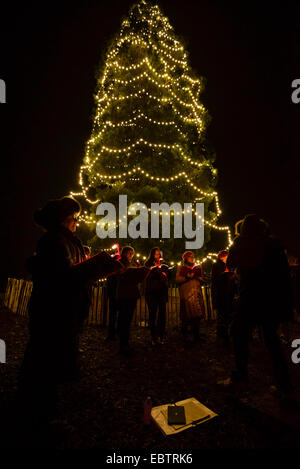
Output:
x=132 y=123
x=142 y=94
x=145 y=75
x=165 y=76
x=142 y=141
x=179 y=90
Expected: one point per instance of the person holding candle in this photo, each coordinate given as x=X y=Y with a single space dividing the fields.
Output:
x=156 y=295
x=222 y=289
x=189 y=276
x=127 y=293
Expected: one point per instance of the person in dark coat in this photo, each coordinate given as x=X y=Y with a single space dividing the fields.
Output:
x=217 y=270
x=223 y=283
x=58 y=305
x=113 y=306
x=156 y=295
x=127 y=293
x=222 y=294
x=265 y=297
x=295 y=276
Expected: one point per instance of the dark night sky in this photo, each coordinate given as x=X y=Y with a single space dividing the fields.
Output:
x=249 y=54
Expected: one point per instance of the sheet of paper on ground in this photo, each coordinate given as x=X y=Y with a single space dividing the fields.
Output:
x=194 y=411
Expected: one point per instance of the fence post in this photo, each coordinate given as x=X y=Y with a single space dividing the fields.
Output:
x=18 y=292
x=7 y=292
x=105 y=302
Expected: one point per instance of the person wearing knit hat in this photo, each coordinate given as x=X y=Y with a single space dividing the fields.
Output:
x=186 y=255
x=63 y=211
x=189 y=277
x=62 y=286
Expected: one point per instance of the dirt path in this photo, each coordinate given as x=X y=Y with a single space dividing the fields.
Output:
x=104 y=409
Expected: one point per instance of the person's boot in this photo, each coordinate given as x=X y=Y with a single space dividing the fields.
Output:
x=160 y=340
x=198 y=337
x=111 y=336
x=153 y=341
x=285 y=396
x=185 y=333
x=234 y=387
x=237 y=383
x=126 y=350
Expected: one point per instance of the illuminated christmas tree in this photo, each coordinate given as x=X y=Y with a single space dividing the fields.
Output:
x=148 y=137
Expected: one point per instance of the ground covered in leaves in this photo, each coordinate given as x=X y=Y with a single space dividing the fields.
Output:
x=104 y=408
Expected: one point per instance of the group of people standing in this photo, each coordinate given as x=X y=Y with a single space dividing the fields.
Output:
x=250 y=286
x=124 y=288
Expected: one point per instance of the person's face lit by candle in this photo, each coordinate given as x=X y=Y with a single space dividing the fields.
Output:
x=224 y=258
x=157 y=257
x=87 y=253
x=191 y=259
x=129 y=256
x=70 y=222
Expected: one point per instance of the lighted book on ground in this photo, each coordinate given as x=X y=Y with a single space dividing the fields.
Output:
x=195 y=413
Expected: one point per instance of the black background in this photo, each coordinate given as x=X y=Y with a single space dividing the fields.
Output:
x=248 y=52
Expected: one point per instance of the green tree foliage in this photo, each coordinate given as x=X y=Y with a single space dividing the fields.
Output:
x=148 y=136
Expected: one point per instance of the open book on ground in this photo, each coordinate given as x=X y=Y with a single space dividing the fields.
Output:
x=195 y=413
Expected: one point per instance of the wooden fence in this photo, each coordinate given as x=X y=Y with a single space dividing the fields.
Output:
x=18 y=292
